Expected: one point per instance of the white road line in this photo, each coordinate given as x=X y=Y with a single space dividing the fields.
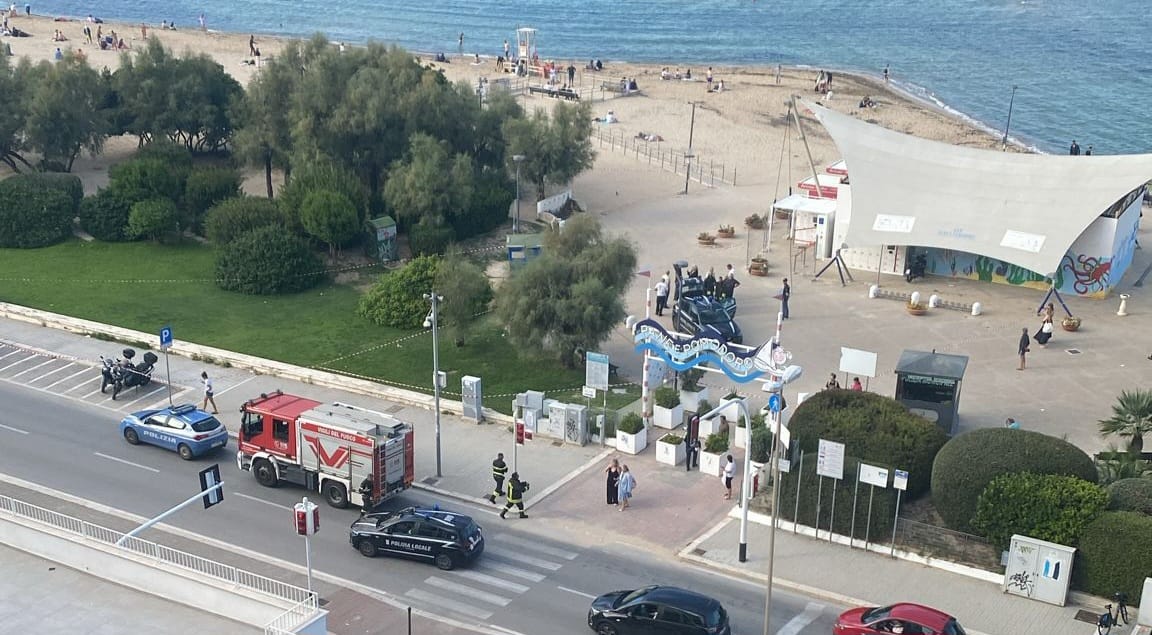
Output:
x=60 y=381
x=18 y=430
x=461 y=589
x=552 y=551
x=51 y=372
x=580 y=593
x=28 y=370
x=112 y=458
x=17 y=362
x=14 y=351
x=519 y=557
x=79 y=385
x=490 y=580
x=532 y=576
x=261 y=500
x=796 y=624
x=441 y=602
x=146 y=395
x=95 y=392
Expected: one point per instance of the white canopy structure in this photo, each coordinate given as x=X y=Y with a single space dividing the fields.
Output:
x=1024 y=209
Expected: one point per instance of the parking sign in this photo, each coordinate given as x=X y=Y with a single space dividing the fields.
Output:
x=166 y=337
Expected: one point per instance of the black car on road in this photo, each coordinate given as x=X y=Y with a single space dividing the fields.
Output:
x=440 y=536
x=658 y=609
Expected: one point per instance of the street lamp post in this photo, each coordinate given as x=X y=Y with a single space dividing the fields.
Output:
x=1011 y=100
x=689 y=156
x=518 y=158
x=433 y=320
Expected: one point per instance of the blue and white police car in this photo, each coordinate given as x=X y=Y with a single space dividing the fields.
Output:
x=184 y=429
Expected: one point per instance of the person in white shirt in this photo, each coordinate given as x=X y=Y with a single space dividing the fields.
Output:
x=729 y=474
x=661 y=297
x=208 y=393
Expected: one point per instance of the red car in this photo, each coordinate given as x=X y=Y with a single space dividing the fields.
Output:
x=908 y=619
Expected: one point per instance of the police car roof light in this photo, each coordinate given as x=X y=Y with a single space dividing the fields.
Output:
x=183 y=409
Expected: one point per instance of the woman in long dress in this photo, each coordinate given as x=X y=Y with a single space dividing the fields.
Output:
x=627 y=482
x=1045 y=332
x=613 y=471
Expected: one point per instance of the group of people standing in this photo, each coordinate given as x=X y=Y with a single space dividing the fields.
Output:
x=513 y=491
x=619 y=484
x=1043 y=334
x=1074 y=149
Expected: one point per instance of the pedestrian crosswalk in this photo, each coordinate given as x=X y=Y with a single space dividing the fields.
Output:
x=494 y=580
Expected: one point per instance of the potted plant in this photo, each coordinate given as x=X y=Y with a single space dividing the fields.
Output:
x=691 y=392
x=741 y=435
x=758 y=266
x=713 y=454
x=726 y=231
x=631 y=435
x=1070 y=323
x=668 y=412
x=670 y=449
x=916 y=308
x=732 y=411
x=704 y=238
x=754 y=221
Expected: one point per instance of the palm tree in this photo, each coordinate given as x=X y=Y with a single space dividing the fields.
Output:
x=1131 y=418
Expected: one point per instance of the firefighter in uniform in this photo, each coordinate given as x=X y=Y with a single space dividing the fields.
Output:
x=515 y=493
x=499 y=469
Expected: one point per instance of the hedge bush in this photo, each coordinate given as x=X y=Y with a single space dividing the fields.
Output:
x=631 y=423
x=206 y=187
x=760 y=445
x=814 y=488
x=105 y=215
x=1113 y=555
x=1132 y=495
x=1045 y=506
x=157 y=219
x=322 y=175
x=232 y=218
x=876 y=429
x=175 y=155
x=70 y=184
x=716 y=443
x=430 y=240
x=33 y=214
x=268 y=260
x=491 y=198
x=969 y=462
x=330 y=218
x=145 y=179
x=667 y=397
x=397 y=298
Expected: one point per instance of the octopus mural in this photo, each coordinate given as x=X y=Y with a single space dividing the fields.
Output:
x=1089 y=273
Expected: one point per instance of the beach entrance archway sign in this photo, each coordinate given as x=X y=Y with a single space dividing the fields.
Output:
x=742 y=364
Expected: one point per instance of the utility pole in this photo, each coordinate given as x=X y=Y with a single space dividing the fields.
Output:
x=434 y=319
x=688 y=157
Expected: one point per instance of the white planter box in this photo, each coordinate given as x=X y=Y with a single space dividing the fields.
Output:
x=668 y=418
x=632 y=443
x=712 y=464
x=691 y=400
x=732 y=412
x=740 y=437
x=709 y=426
x=669 y=454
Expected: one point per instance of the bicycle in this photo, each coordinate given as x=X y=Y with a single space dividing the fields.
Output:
x=1107 y=619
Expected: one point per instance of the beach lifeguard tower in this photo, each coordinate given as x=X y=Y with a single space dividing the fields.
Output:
x=526 y=54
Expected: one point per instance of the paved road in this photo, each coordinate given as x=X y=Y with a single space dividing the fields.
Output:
x=524 y=583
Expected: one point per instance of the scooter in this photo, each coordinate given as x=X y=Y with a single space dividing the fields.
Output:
x=109 y=373
x=916 y=268
x=133 y=375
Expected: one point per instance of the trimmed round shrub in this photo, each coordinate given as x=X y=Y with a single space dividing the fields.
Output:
x=877 y=430
x=146 y=179
x=430 y=240
x=1132 y=495
x=969 y=462
x=631 y=423
x=232 y=218
x=329 y=217
x=70 y=184
x=1113 y=555
x=105 y=215
x=1045 y=506
x=206 y=187
x=322 y=175
x=156 y=219
x=266 y=261
x=760 y=444
x=397 y=298
x=32 y=215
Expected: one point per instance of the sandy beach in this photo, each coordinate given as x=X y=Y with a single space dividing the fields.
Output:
x=743 y=128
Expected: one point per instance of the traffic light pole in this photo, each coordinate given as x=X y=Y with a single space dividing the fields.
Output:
x=199 y=496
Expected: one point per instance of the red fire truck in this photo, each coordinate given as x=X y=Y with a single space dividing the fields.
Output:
x=348 y=454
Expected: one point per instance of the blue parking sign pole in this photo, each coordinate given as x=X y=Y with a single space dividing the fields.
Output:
x=165 y=343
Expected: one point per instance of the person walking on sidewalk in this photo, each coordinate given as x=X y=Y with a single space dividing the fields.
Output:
x=729 y=474
x=1022 y=348
x=692 y=455
x=613 y=492
x=209 y=393
x=499 y=469
x=785 y=294
x=515 y=493
x=626 y=485
x=661 y=297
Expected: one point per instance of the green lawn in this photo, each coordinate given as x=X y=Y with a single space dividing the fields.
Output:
x=144 y=286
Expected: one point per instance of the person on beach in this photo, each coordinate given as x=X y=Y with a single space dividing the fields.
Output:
x=143 y=31
x=507 y=50
x=708 y=78
x=88 y=33
x=1074 y=150
x=885 y=73
x=252 y=45
x=461 y=41
x=571 y=74
x=203 y=24
x=1088 y=152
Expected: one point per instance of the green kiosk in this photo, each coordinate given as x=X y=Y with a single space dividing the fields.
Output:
x=928 y=384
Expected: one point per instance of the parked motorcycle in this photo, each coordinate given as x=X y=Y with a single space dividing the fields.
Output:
x=916 y=268
x=109 y=373
x=132 y=375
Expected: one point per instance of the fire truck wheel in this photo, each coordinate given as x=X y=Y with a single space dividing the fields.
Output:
x=445 y=562
x=367 y=548
x=336 y=494
x=265 y=473
x=185 y=452
x=131 y=437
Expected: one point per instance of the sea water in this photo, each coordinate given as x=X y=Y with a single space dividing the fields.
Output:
x=1082 y=69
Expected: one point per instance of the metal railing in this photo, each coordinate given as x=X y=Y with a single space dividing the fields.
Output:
x=947 y=544
x=703 y=171
x=289 y=620
x=303 y=602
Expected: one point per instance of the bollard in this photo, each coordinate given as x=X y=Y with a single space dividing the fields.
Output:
x=873 y=291
x=915 y=299
x=1123 y=311
x=933 y=301
x=977 y=309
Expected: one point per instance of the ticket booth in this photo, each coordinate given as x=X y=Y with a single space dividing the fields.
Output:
x=928 y=384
